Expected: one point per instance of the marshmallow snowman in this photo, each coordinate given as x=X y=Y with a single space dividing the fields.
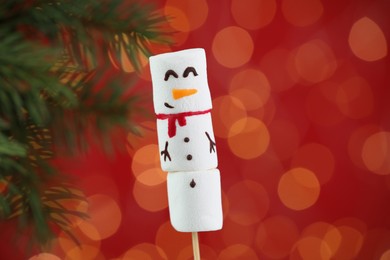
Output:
x=182 y=104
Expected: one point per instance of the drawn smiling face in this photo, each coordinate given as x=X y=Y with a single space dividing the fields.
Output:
x=178 y=93
x=180 y=82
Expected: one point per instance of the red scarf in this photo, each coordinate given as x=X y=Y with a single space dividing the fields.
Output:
x=181 y=119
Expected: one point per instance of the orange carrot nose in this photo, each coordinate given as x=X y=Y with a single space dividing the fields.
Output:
x=180 y=93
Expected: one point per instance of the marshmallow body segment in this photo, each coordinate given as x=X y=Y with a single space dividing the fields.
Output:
x=190 y=148
x=182 y=103
x=195 y=200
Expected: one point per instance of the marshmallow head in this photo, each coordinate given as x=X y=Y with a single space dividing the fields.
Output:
x=180 y=82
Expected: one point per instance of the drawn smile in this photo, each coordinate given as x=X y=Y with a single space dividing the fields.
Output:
x=168 y=105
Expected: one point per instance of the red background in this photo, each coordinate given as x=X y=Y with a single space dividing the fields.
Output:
x=301 y=111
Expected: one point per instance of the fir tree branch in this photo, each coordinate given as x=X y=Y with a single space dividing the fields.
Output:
x=55 y=89
x=25 y=77
x=11 y=148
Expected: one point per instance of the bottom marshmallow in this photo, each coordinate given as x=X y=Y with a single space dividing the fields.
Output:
x=195 y=200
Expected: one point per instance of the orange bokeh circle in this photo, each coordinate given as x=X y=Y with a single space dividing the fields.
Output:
x=152 y=177
x=248 y=138
x=367 y=40
x=145 y=157
x=193 y=15
x=228 y=50
x=151 y=198
x=315 y=61
x=299 y=189
x=146 y=165
x=105 y=217
x=345 y=242
x=376 y=153
x=251 y=87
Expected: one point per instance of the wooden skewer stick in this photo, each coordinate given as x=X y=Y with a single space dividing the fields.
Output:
x=195 y=245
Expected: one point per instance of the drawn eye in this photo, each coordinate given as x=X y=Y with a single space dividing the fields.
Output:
x=188 y=70
x=170 y=73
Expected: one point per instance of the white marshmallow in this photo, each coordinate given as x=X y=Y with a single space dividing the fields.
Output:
x=178 y=62
x=195 y=200
x=186 y=140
